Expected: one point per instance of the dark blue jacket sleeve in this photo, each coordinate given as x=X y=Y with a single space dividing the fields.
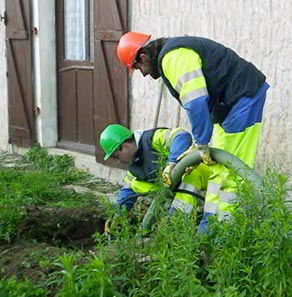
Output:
x=180 y=144
x=200 y=119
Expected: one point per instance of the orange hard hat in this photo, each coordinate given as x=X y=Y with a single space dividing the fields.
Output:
x=129 y=45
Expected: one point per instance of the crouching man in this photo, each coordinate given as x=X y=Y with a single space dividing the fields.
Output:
x=140 y=150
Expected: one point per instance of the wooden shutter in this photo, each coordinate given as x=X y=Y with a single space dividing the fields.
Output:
x=19 y=63
x=76 y=129
x=110 y=78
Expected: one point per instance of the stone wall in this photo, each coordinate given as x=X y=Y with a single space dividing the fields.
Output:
x=258 y=30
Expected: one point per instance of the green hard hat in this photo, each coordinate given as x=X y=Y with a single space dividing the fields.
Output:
x=112 y=137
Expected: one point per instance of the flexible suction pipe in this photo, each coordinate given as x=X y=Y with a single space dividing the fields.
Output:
x=222 y=157
x=218 y=155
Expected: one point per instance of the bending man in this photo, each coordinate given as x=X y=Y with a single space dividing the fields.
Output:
x=140 y=151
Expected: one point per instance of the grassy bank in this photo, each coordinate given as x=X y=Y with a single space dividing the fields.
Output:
x=249 y=255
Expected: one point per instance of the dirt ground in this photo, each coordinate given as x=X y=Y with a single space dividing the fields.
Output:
x=45 y=233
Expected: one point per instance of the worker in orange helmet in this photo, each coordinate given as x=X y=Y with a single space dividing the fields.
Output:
x=217 y=88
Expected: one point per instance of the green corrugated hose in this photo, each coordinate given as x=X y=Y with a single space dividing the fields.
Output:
x=218 y=155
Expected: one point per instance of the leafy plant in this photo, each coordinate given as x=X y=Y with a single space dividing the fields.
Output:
x=253 y=250
x=61 y=165
x=9 y=220
x=84 y=280
x=41 y=184
x=14 y=288
x=249 y=255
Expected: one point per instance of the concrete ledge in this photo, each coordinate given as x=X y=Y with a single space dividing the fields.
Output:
x=88 y=163
x=85 y=162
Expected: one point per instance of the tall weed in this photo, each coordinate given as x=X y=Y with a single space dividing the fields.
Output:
x=249 y=255
x=252 y=252
x=14 y=288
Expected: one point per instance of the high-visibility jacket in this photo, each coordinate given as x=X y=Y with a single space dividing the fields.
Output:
x=228 y=76
x=141 y=177
x=207 y=79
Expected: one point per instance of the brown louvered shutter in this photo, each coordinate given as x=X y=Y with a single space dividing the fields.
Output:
x=110 y=78
x=19 y=63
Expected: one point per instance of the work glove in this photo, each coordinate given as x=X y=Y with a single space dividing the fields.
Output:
x=107 y=224
x=190 y=150
x=203 y=150
x=205 y=154
x=166 y=174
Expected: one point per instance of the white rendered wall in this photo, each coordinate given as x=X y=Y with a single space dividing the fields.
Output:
x=3 y=86
x=258 y=30
x=44 y=68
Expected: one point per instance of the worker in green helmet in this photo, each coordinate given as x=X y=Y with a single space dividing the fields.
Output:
x=140 y=151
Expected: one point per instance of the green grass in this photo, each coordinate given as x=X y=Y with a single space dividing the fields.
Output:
x=249 y=255
x=14 y=288
x=39 y=184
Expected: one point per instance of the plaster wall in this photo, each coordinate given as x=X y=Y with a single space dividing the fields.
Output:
x=260 y=31
x=44 y=68
x=3 y=86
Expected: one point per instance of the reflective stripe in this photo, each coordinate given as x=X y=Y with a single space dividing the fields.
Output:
x=188 y=187
x=191 y=188
x=167 y=138
x=164 y=137
x=211 y=207
x=213 y=188
x=227 y=197
x=187 y=77
x=193 y=95
x=179 y=61
x=179 y=204
x=219 y=203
